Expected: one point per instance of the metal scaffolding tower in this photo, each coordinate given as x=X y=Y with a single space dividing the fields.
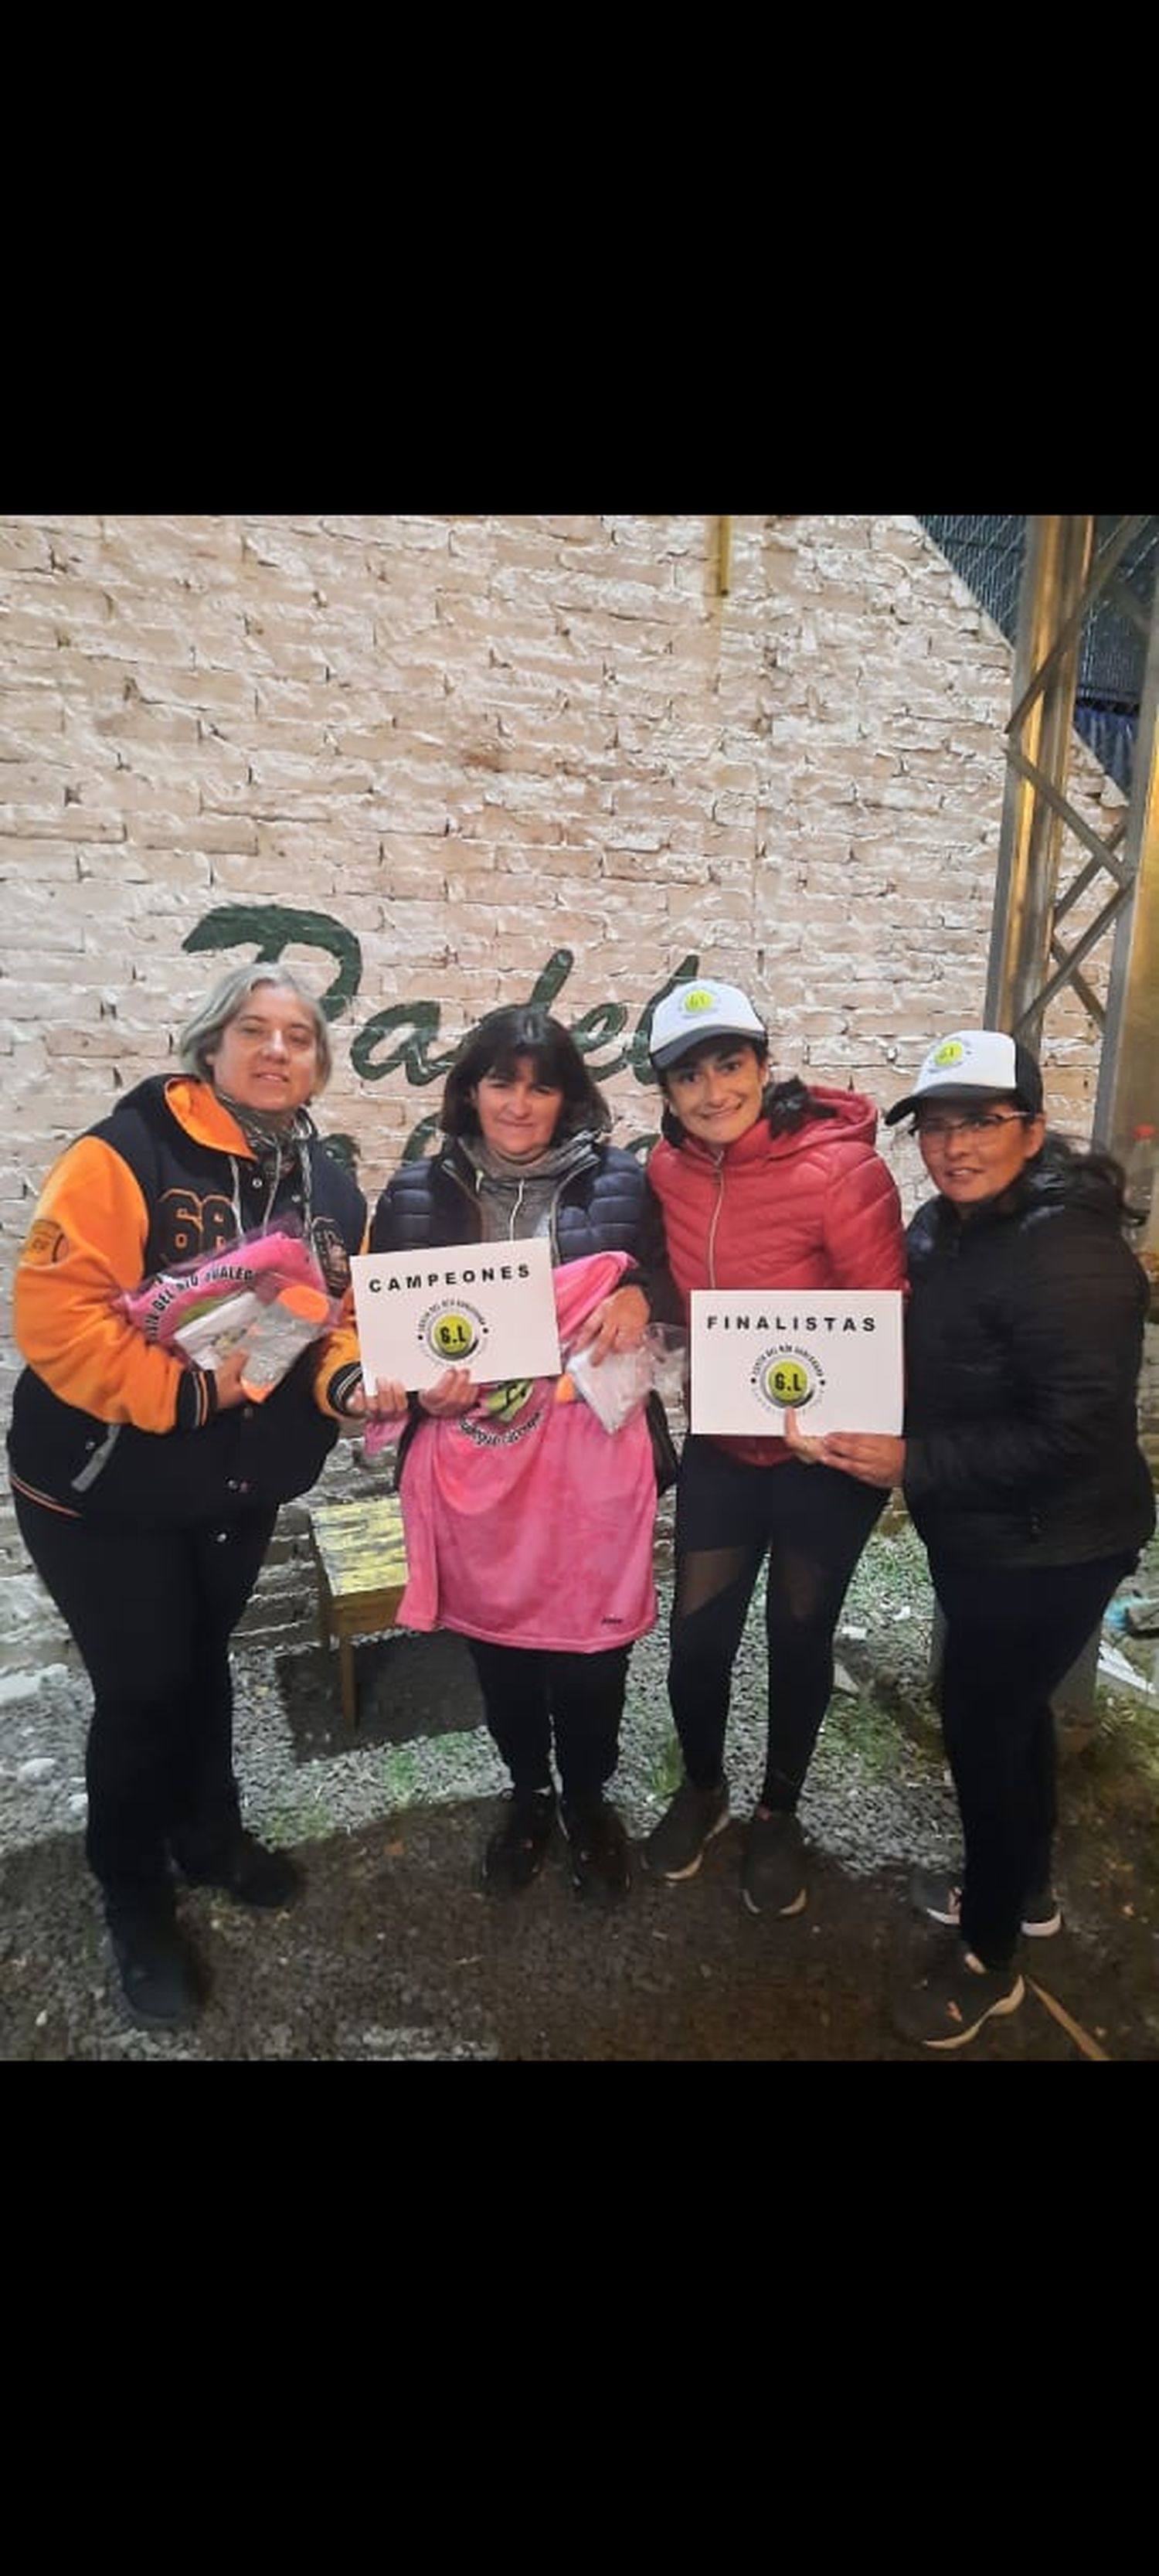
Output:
x=1065 y=575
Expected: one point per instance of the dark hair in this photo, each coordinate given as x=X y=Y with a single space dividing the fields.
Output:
x=520 y=1029
x=785 y=1105
x=1089 y=1177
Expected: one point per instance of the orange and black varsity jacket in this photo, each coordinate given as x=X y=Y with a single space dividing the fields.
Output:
x=104 y=1421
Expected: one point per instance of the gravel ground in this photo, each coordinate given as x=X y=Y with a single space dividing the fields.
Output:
x=395 y=1953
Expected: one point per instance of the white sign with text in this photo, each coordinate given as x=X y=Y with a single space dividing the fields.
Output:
x=486 y=1307
x=834 y=1355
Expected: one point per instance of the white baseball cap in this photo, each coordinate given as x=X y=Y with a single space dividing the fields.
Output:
x=692 y=1012
x=975 y=1064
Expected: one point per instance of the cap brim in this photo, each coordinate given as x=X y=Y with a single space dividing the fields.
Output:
x=967 y=1091
x=706 y=1037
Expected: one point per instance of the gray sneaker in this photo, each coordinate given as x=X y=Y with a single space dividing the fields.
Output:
x=676 y=1846
x=772 y=1874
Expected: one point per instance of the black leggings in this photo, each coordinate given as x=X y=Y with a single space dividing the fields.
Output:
x=812 y=1524
x=1010 y=1637
x=529 y=1697
x=152 y=1611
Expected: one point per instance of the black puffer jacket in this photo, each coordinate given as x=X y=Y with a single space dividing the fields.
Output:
x=606 y=1206
x=1024 y=1339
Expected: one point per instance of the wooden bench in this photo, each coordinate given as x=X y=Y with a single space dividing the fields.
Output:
x=360 y=1554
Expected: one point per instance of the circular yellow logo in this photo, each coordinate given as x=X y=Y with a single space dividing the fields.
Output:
x=789 y=1382
x=699 y=1000
x=951 y=1051
x=453 y=1338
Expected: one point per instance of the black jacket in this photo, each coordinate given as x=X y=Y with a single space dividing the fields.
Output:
x=607 y=1206
x=1024 y=1340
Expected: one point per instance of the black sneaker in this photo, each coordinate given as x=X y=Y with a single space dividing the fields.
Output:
x=162 y=1980
x=772 y=1873
x=597 y=1849
x=949 y=2005
x=517 y=1850
x=248 y=1872
x=676 y=1846
x=938 y=1896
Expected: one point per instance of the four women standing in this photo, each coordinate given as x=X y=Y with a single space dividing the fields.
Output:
x=146 y=1490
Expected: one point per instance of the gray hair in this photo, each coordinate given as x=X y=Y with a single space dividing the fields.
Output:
x=202 y=1035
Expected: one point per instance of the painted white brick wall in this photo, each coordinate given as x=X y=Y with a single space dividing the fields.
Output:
x=476 y=757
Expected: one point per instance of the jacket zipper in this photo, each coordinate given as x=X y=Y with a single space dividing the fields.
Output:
x=718 y=1159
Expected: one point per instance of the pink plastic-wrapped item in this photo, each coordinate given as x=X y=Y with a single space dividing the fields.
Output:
x=263 y=1263
x=270 y=1330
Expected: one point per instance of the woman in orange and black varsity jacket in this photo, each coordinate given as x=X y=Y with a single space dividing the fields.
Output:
x=146 y=1488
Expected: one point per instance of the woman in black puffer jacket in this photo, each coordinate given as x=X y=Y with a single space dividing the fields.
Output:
x=524 y=1153
x=1022 y=1471
x=1023 y=1345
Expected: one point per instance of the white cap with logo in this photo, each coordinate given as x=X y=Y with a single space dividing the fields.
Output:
x=693 y=1012
x=975 y=1064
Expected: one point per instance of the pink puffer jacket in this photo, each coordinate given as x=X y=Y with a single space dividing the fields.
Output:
x=817 y=1208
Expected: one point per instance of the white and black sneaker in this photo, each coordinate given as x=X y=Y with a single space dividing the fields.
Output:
x=938 y=1895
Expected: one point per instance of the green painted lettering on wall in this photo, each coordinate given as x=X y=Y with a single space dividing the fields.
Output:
x=402 y=1038
x=420 y=1021
x=272 y=928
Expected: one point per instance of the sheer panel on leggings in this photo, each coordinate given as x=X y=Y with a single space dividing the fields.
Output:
x=706 y=1572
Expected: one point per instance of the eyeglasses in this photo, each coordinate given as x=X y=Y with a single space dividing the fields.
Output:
x=973 y=1122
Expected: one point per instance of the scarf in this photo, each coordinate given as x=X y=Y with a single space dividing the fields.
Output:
x=277 y=1150
x=516 y=1199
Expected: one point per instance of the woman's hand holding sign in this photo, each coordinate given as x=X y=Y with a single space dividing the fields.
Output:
x=874 y=1457
x=454 y=1392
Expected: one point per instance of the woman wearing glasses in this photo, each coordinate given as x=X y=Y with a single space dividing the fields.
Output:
x=1022 y=1472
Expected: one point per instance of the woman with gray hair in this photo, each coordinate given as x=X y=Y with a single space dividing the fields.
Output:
x=147 y=1488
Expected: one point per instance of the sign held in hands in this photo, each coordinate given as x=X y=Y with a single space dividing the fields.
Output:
x=486 y=1307
x=833 y=1355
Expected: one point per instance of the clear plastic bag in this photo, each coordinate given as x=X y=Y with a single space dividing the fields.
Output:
x=668 y=1344
x=616 y=1387
x=619 y=1385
